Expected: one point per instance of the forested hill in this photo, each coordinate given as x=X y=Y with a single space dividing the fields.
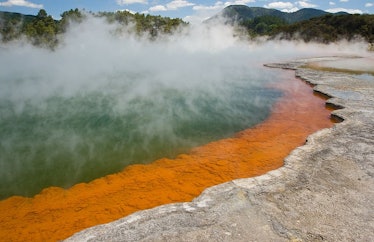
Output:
x=42 y=29
x=9 y=16
x=329 y=28
x=306 y=24
x=243 y=13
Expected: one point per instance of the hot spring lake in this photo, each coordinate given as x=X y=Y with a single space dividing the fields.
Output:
x=62 y=139
x=83 y=111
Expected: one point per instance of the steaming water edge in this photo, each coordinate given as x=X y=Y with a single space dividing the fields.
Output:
x=62 y=140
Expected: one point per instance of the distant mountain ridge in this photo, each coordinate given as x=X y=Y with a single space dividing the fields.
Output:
x=6 y=16
x=306 y=24
x=241 y=13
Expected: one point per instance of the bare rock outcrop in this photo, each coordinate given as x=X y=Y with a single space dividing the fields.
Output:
x=324 y=192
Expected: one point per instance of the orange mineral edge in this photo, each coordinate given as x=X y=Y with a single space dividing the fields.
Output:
x=56 y=213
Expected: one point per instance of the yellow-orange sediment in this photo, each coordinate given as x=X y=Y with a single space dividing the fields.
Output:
x=55 y=213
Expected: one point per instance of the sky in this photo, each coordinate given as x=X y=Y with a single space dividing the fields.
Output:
x=189 y=10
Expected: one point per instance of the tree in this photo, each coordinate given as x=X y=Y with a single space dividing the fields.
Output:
x=42 y=14
x=71 y=16
x=11 y=29
x=264 y=25
x=42 y=30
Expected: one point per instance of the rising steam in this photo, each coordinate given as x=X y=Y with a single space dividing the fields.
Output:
x=106 y=98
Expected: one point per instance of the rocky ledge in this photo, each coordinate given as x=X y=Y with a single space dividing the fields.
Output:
x=324 y=192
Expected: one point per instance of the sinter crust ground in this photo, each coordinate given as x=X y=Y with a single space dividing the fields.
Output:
x=324 y=192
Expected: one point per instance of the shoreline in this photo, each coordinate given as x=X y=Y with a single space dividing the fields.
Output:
x=324 y=192
x=56 y=213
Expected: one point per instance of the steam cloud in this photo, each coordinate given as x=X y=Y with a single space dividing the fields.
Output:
x=103 y=100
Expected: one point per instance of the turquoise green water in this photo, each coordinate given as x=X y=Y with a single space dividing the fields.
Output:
x=63 y=140
x=99 y=103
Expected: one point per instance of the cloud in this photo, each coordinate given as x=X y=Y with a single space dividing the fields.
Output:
x=238 y=2
x=220 y=5
x=306 y=4
x=174 y=5
x=351 y=11
x=127 y=10
x=282 y=5
x=157 y=8
x=127 y=2
x=21 y=3
x=344 y=1
x=331 y=3
x=291 y=10
x=203 y=12
x=217 y=6
x=369 y=5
